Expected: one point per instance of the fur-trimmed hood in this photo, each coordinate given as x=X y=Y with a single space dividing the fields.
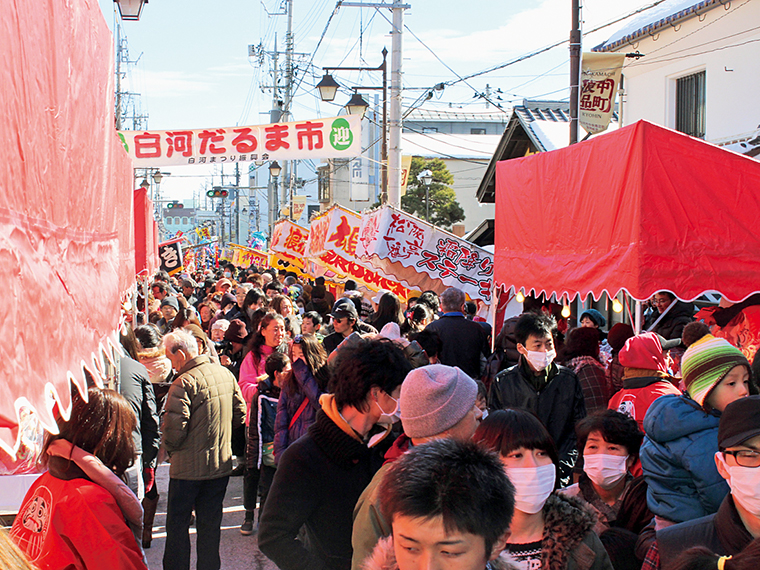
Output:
x=567 y=521
x=383 y=557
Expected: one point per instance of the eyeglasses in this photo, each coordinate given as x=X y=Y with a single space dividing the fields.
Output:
x=745 y=457
x=338 y=320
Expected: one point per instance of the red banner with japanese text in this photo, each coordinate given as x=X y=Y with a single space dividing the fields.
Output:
x=334 y=137
x=422 y=256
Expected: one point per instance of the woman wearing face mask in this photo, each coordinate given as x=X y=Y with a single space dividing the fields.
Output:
x=682 y=433
x=299 y=401
x=610 y=442
x=548 y=530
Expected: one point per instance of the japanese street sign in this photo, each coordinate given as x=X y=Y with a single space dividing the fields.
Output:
x=335 y=137
x=600 y=79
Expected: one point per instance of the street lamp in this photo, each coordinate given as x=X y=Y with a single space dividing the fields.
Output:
x=274 y=169
x=327 y=90
x=426 y=177
x=145 y=184
x=130 y=9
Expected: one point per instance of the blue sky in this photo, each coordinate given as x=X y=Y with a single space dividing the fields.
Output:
x=194 y=70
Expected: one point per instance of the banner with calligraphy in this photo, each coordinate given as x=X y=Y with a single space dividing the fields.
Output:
x=334 y=137
x=422 y=256
x=600 y=79
x=289 y=238
x=245 y=256
x=170 y=255
x=332 y=249
x=297 y=266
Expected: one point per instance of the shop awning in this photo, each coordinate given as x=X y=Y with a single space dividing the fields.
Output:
x=641 y=209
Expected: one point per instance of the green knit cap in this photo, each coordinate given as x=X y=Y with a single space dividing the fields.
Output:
x=706 y=362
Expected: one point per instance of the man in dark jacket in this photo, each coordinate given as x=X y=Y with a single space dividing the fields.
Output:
x=320 y=476
x=672 y=323
x=345 y=320
x=737 y=522
x=537 y=384
x=464 y=341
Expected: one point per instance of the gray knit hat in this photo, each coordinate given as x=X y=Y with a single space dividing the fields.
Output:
x=435 y=398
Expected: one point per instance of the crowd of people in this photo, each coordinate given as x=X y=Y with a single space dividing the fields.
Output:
x=374 y=432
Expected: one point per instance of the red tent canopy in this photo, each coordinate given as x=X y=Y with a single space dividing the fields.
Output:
x=642 y=209
x=146 y=251
x=66 y=225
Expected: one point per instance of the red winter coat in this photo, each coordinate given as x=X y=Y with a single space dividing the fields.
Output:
x=639 y=393
x=76 y=525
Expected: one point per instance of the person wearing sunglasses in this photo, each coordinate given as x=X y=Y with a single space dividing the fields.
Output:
x=737 y=522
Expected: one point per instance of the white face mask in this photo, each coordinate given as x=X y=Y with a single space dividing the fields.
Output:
x=533 y=485
x=227 y=274
x=745 y=485
x=540 y=360
x=605 y=470
x=300 y=310
x=392 y=417
x=485 y=415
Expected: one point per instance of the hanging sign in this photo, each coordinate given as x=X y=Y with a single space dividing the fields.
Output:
x=335 y=137
x=289 y=238
x=332 y=245
x=170 y=254
x=423 y=256
x=600 y=79
x=245 y=256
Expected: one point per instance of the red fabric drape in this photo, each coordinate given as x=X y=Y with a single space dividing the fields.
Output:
x=66 y=229
x=643 y=209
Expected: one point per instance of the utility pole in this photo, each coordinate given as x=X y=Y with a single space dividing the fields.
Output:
x=394 y=155
x=237 y=202
x=575 y=69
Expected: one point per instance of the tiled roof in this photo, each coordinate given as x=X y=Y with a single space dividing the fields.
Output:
x=667 y=14
x=458 y=115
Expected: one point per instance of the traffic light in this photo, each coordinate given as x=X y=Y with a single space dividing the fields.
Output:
x=217 y=192
x=174 y=205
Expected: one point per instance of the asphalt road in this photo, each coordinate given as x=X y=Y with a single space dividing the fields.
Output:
x=238 y=552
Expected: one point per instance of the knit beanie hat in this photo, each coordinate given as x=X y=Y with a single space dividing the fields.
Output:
x=619 y=333
x=435 y=398
x=595 y=316
x=236 y=332
x=706 y=362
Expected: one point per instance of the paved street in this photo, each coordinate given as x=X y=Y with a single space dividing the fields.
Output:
x=237 y=551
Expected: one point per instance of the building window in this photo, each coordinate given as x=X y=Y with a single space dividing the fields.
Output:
x=176 y=221
x=690 y=104
x=168 y=221
x=477 y=131
x=429 y=130
x=184 y=221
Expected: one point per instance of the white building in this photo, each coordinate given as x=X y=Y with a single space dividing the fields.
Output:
x=465 y=139
x=698 y=73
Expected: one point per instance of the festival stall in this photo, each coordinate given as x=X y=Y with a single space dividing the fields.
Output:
x=641 y=209
x=422 y=256
x=331 y=252
x=66 y=218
